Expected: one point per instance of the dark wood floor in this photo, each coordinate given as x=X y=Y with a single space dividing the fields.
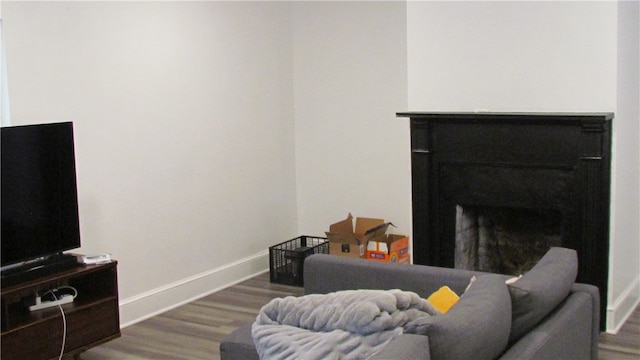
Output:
x=194 y=331
x=625 y=344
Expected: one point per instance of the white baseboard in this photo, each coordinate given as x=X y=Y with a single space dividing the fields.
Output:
x=623 y=306
x=151 y=303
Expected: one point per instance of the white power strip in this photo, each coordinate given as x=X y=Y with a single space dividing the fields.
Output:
x=64 y=299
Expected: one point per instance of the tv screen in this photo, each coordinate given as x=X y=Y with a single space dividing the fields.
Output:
x=38 y=192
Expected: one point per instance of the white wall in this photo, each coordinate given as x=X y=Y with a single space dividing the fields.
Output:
x=539 y=56
x=352 y=153
x=183 y=114
x=4 y=97
x=184 y=118
x=624 y=282
x=512 y=56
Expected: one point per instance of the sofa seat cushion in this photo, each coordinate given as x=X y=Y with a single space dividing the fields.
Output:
x=404 y=347
x=541 y=289
x=476 y=327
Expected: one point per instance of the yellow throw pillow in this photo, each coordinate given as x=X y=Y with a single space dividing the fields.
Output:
x=443 y=299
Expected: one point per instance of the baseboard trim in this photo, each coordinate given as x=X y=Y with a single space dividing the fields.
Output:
x=151 y=303
x=623 y=306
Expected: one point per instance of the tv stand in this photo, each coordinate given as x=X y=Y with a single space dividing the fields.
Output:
x=38 y=268
x=91 y=319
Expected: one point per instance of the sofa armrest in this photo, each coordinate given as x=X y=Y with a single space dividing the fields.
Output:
x=594 y=292
x=405 y=347
x=566 y=333
x=328 y=273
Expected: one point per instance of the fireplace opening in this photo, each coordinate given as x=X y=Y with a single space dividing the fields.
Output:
x=504 y=240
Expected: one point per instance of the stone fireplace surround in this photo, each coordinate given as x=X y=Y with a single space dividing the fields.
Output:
x=537 y=179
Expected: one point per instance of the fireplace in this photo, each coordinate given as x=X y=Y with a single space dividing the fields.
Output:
x=493 y=191
x=504 y=240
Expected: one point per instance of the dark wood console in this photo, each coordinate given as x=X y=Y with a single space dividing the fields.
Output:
x=91 y=319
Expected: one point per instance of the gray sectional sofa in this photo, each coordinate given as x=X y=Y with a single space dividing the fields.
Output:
x=543 y=315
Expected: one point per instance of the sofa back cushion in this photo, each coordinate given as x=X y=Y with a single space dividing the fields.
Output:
x=541 y=289
x=476 y=327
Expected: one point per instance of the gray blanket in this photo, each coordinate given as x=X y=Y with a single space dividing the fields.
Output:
x=352 y=324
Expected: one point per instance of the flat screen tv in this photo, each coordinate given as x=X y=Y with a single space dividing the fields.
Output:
x=38 y=193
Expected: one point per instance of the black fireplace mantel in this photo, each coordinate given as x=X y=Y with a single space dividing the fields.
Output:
x=555 y=161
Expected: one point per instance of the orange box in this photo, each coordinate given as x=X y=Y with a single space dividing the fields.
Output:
x=393 y=248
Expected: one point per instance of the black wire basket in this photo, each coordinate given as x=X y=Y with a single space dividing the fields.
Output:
x=286 y=259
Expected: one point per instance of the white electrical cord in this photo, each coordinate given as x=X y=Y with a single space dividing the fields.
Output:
x=64 y=332
x=64 y=318
x=75 y=292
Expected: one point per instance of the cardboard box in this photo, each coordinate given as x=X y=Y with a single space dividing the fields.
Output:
x=344 y=240
x=392 y=248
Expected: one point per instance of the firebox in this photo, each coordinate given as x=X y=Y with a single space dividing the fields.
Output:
x=494 y=191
